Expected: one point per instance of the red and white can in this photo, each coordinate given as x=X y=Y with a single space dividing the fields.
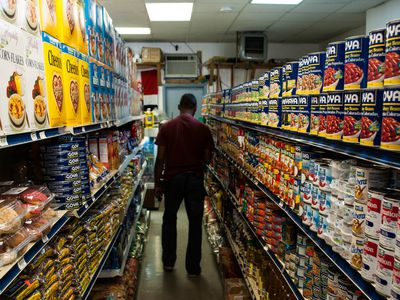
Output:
x=384 y=272
x=374 y=213
x=369 y=259
x=390 y=211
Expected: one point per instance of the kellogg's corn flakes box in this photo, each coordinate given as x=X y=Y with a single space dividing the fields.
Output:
x=28 y=16
x=90 y=16
x=82 y=36
x=9 y=10
x=85 y=108
x=54 y=80
x=70 y=63
x=35 y=82
x=67 y=15
x=12 y=82
x=94 y=92
x=48 y=17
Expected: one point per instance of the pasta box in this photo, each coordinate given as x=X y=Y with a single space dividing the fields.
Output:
x=304 y=108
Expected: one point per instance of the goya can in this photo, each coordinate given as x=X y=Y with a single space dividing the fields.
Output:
x=275 y=87
x=274 y=112
x=299 y=81
x=352 y=117
x=289 y=115
x=334 y=115
x=371 y=117
x=263 y=112
x=334 y=67
x=304 y=107
x=392 y=59
x=356 y=63
x=314 y=114
x=266 y=79
x=323 y=102
x=314 y=79
x=390 y=138
x=289 y=75
x=376 y=58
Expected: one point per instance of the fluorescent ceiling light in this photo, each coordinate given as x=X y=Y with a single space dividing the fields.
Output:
x=169 y=11
x=133 y=30
x=290 y=2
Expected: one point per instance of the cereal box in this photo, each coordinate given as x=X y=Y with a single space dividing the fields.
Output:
x=48 y=18
x=94 y=92
x=90 y=16
x=84 y=109
x=35 y=84
x=28 y=16
x=70 y=63
x=12 y=83
x=9 y=10
x=82 y=43
x=67 y=15
x=100 y=33
x=54 y=80
x=102 y=96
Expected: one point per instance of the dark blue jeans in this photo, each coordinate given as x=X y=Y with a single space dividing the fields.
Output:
x=188 y=187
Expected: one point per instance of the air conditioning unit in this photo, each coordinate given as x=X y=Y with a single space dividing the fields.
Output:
x=181 y=66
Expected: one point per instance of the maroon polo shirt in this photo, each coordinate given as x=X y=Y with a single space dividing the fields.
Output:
x=185 y=140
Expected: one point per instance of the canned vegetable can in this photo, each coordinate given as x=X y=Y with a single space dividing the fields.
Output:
x=392 y=59
x=356 y=63
x=371 y=117
x=390 y=137
x=376 y=58
x=352 y=117
x=334 y=67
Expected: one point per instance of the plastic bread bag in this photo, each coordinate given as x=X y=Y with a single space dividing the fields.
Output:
x=38 y=227
x=11 y=214
x=13 y=245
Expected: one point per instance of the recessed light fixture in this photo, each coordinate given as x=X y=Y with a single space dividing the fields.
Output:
x=226 y=8
x=169 y=11
x=288 y=2
x=133 y=30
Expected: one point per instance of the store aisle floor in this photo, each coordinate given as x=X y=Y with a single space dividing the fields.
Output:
x=155 y=284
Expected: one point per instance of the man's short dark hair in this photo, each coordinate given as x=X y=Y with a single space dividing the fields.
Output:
x=188 y=101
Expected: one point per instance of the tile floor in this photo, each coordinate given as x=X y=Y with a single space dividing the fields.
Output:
x=155 y=284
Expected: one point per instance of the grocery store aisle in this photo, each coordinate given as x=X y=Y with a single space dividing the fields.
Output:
x=155 y=284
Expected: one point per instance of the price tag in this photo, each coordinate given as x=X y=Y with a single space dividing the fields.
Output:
x=34 y=136
x=86 y=206
x=45 y=239
x=42 y=134
x=22 y=264
x=281 y=204
x=83 y=129
x=3 y=141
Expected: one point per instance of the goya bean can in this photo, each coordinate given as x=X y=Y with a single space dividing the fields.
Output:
x=314 y=79
x=371 y=117
x=334 y=116
x=390 y=137
x=352 y=117
x=300 y=75
x=304 y=113
x=322 y=108
x=392 y=59
x=334 y=67
x=356 y=63
x=274 y=112
x=376 y=58
x=289 y=75
x=275 y=87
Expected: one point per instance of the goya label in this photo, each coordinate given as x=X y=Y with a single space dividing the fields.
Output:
x=266 y=84
x=376 y=58
x=352 y=117
x=334 y=116
x=313 y=80
x=314 y=114
x=264 y=112
x=274 y=112
x=356 y=63
x=392 y=60
x=322 y=109
x=371 y=117
x=300 y=88
x=288 y=112
x=275 y=88
x=289 y=74
x=304 y=107
x=334 y=67
x=390 y=138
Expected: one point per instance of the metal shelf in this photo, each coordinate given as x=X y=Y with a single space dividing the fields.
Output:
x=370 y=154
x=127 y=120
x=340 y=262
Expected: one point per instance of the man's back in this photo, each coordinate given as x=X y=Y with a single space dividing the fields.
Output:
x=185 y=140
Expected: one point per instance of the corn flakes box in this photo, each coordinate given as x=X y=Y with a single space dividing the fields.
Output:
x=90 y=16
x=70 y=62
x=48 y=17
x=13 y=114
x=54 y=80
x=28 y=16
x=10 y=10
x=35 y=82
x=82 y=36
x=85 y=108
x=94 y=92
x=67 y=15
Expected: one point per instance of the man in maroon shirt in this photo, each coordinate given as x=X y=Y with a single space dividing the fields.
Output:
x=184 y=147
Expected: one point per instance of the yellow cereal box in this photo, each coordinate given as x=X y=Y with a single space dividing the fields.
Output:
x=12 y=88
x=70 y=62
x=84 y=109
x=82 y=36
x=67 y=15
x=54 y=80
x=48 y=18
x=35 y=77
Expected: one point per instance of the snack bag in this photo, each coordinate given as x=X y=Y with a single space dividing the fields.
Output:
x=70 y=63
x=67 y=15
x=12 y=86
x=28 y=16
x=84 y=109
x=48 y=18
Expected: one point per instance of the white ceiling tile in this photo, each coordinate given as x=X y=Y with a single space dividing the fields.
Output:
x=304 y=17
x=246 y=16
x=360 y=5
x=326 y=1
x=267 y=8
x=200 y=7
x=213 y=17
x=286 y=26
x=353 y=18
x=318 y=7
x=169 y=27
x=255 y=24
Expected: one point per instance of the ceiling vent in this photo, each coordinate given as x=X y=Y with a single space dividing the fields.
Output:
x=253 y=46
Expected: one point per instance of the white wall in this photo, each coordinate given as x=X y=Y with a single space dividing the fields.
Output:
x=377 y=17
x=341 y=37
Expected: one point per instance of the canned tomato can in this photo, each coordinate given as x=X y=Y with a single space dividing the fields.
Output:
x=356 y=62
x=369 y=259
x=374 y=213
x=352 y=116
x=349 y=193
x=390 y=210
x=289 y=75
x=376 y=58
x=392 y=59
x=322 y=111
x=371 y=117
x=384 y=273
x=315 y=197
x=275 y=87
x=334 y=67
x=390 y=137
x=314 y=79
x=307 y=214
x=334 y=115
x=359 y=215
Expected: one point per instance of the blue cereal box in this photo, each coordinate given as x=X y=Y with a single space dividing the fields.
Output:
x=352 y=116
x=275 y=87
x=371 y=117
x=334 y=67
x=275 y=112
x=356 y=62
x=94 y=92
x=304 y=109
x=289 y=75
x=90 y=16
x=334 y=115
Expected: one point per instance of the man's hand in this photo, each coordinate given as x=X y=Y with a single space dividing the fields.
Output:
x=159 y=191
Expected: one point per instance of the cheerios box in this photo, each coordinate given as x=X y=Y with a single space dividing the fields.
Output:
x=90 y=16
x=94 y=92
x=82 y=43
x=67 y=15
x=28 y=16
x=85 y=108
x=9 y=11
x=35 y=82
x=70 y=63
x=12 y=80
x=54 y=80
x=48 y=17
